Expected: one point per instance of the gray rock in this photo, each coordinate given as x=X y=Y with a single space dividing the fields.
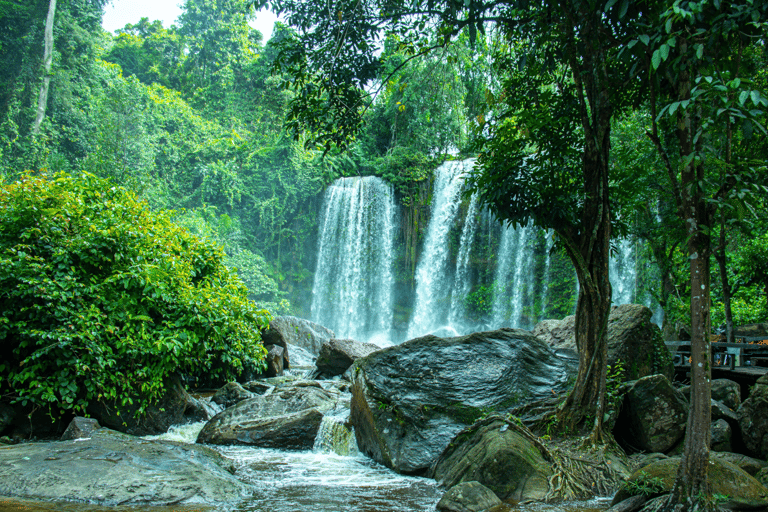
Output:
x=632 y=338
x=80 y=428
x=336 y=355
x=726 y=391
x=284 y=330
x=275 y=360
x=230 y=394
x=721 y=434
x=468 y=497
x=286 y=419
x=409 y=400
x=653 y=415
x=493 y=453
x=753 y=419
x=258 y=387
x=112 y=469
x=762 y=476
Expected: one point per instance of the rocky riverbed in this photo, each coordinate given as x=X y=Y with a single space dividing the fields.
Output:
x=430 y=418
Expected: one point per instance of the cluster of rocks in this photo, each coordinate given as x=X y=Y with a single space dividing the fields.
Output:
x=435 y=407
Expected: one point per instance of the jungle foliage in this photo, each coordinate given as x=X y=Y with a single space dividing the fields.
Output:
x=103 y=299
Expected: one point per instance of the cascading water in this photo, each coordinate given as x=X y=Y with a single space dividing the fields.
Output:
x=514 y=280
x=461 y=280
x=434 y=276
x=622 y=273
x=354 y=281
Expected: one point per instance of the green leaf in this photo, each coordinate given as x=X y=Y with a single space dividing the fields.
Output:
x=699 y=51
x=755 y=96
x=743 y=97
x=656 y=59
x=645 y=39
x=664 y=51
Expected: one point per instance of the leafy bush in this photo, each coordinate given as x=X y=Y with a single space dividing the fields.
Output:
x=103 y=299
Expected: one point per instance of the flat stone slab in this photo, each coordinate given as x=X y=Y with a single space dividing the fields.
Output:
x=111 y=468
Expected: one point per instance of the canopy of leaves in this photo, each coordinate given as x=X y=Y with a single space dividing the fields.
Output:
x=102 y=299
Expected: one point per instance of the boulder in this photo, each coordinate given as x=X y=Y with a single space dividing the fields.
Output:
x=753 y=419
x=748 y=464
x=275 y=360
x=743 y=490
x=632 y=338
x=653 y=415
x=409 y=400
x=493 y=453
x=285 y=330
x=468 y=497
x=336 y=355
x=230 y=394
x=175 y=407
x=80 y=428
x=286 y=419
x=726 y=391
x=111 y=468
x=721 y=433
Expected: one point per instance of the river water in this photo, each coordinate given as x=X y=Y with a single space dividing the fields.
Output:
x=306 y=481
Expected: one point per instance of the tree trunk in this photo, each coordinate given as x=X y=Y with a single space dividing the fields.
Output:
x=42 y=99
x=691 y=489
x=722 y=262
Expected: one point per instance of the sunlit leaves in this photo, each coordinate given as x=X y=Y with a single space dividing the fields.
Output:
x=103 y=298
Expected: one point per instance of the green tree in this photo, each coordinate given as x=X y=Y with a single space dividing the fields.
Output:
x=103 y=299
x=696 y=81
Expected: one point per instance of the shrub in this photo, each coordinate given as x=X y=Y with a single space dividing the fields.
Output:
x=102 y=299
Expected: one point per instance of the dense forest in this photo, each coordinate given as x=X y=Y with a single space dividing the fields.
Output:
x=192 y=118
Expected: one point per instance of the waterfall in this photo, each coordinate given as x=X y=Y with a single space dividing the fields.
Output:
x=622 y=273
x=354 y=280
x=461 y=280
x=514 y=279
x=434 y=275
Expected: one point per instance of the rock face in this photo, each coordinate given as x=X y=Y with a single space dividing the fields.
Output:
x=653 y=415
x=721 y=433
x=287 y=419
x=80 y=428
x=336 y=356
x=632 y=338
x=112 y=468
x=409 y=400
x=743 y=490
x=753 y=419
x=493 y=453
x=468 y=497
x=285 y=330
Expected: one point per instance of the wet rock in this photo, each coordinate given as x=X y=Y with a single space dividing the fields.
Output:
x=653 y=415
x=285 y=330
x=258 y=387
x=744 y=491
x=286 y=419
x=728 y=392
x=409 y=400
x=468 y=497
x=230 y=394
x=493 y=453
x=336 y=355
x=753 y=419
x=111 y=468
x=632 y=338
x=721 y=434
x=80 y=428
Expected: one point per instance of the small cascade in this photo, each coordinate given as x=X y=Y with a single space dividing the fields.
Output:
x=354 y=280
x=622 y=273
x=514 y=278
x=334 y=436
x=434 y=275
